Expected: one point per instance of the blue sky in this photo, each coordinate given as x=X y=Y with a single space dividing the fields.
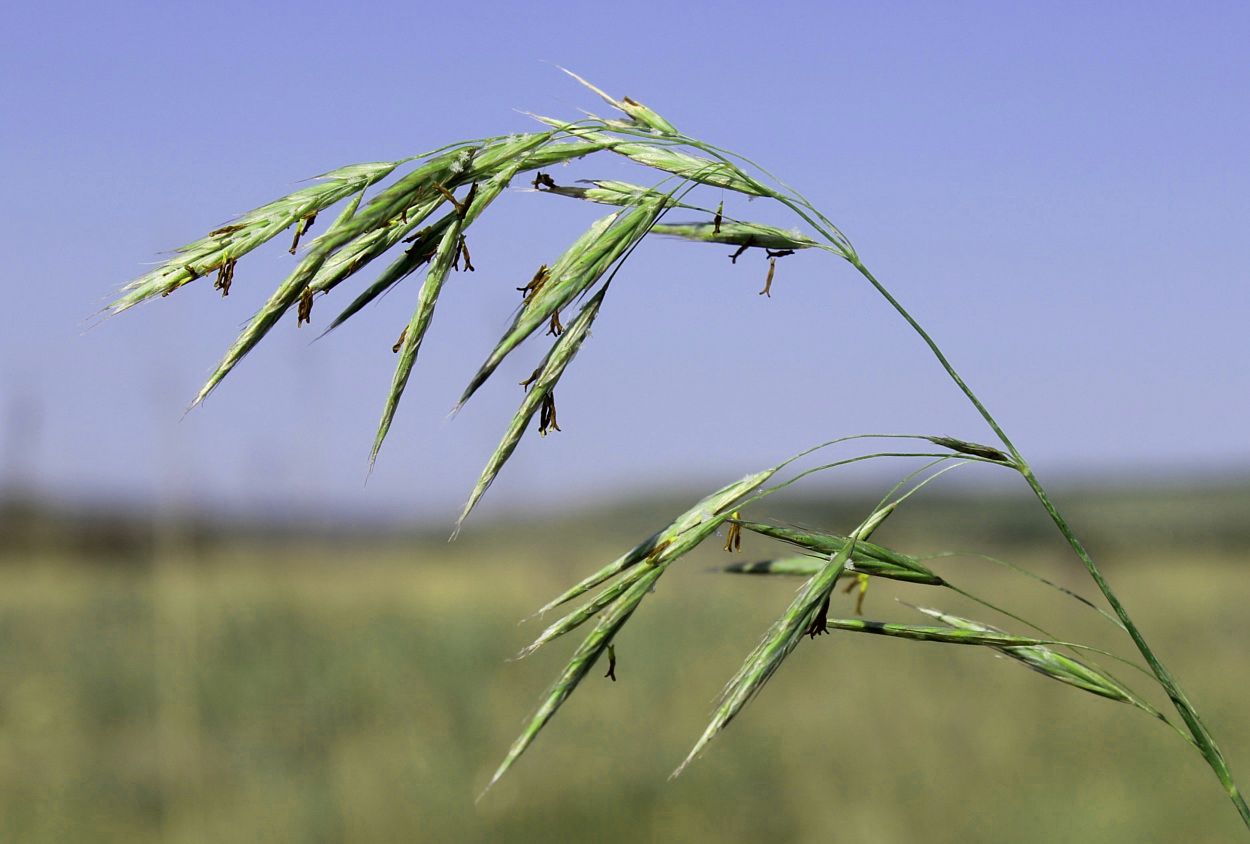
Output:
x=1060 y=192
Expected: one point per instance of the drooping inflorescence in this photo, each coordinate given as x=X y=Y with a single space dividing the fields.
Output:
x=418 y=212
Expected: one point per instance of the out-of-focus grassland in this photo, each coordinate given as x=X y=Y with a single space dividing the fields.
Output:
x=316 y=691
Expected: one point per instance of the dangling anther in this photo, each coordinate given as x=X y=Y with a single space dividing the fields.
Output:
x=225 y=276
x=611 y=675
x=530 y=290
x=450 y=197
x=657 y=552
x=542 y=180
x=733 y=538
x=716 y=221
x=464 y=253
x=304 y=314
x=768 y=282
x=861 y=580
x=547 y=415
x=747 y=244
x=555 y=328
x=525 y=385
x=820 y=623
x=301 y=229
x=399 y=344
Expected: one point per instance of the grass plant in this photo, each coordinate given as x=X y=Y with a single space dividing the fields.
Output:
x=458 y=183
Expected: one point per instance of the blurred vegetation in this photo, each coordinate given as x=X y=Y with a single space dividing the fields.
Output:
x=184 y=680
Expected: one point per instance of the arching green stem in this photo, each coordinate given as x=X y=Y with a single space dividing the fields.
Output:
x=1202 y=737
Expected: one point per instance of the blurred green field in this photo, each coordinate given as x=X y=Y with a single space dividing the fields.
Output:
x=312 y=691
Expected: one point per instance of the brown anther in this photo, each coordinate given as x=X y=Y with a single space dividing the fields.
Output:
x=464 y=253
x=554 y=327
x=611 y=675
x=420 y=234
x=450 y=197
x=733 y=259
x=547 y=415
x=718 y=219
x=542 y=180
x=820 y=623
x=536 y=283
x=225 y=276
x=778 y=253
x=304 y=314
x=768 y=282
x=224 y=230
x=399 y=344
x=733 y=538
x=468 y=199
x=657 y=552
x=301 y=229
x=525 y=385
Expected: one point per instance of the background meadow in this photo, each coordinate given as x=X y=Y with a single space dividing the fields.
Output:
x=199 y=682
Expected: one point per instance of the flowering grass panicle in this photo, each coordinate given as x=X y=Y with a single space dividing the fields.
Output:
x=422 y=211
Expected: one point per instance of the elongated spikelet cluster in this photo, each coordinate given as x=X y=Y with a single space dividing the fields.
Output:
x=1042 y=658
x=867 y=558
x=231 y=242
x=640 y=568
